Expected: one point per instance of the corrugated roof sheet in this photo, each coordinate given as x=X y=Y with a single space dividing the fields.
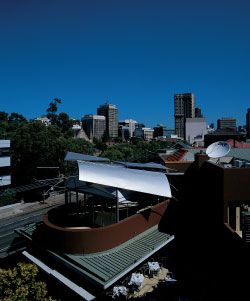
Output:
x=107 y=267
x=177 y=156
x=71 y=156
x=80 y=186
x=150 y=165
x=37 y=185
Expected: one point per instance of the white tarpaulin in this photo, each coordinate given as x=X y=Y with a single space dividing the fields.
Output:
x=130 y=179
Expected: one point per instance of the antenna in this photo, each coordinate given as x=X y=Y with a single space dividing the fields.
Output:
x=218 y=149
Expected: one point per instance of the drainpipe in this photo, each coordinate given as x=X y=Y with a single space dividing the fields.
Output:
x=117 y=206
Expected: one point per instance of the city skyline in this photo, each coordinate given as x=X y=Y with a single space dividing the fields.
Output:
x=138 y=53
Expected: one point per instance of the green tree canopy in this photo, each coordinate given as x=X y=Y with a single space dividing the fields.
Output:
x=142 y=151
x=35 y=145
x=21 y=284
x=7 y=197
x=52 y=110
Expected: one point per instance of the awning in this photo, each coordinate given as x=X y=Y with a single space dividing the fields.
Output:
x=155 y=183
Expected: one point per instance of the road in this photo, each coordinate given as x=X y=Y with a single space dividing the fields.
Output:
x=10 y=242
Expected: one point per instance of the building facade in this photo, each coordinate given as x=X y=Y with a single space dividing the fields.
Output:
x=131 y=124
x=45 y=120
x=145 y=133
x=111 y=114
x=94 y=126
x=183 y=108
x=160 y=131
x=5 y=176
x=226 y=123
x=196 y=128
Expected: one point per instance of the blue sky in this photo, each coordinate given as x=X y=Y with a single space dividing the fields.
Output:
x=136 y=52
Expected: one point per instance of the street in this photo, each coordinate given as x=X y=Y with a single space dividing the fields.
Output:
x=10 y=242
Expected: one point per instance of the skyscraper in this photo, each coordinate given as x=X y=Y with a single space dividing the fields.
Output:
x=248 y=123
x=94 y=126
x=111 y=113
x=183 y=108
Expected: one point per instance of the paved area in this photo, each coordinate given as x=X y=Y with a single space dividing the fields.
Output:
x=24 y=208
x=149 y=284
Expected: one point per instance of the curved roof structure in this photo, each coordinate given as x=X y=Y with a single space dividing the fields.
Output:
x=155 y=183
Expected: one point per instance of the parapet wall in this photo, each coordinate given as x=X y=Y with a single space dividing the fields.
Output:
x=100 y=239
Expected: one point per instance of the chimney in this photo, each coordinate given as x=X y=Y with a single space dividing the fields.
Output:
x=200 y=158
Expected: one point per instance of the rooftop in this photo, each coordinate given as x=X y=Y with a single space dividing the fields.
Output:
x=106 y=268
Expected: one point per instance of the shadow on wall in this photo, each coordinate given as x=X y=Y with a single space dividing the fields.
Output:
x=211 y=259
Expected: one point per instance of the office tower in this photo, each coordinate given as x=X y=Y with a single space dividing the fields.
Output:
x=131 y=124
x=226 y=123
x=111 y=114
x=248 y=123
x=183 y=108
x=94 y=126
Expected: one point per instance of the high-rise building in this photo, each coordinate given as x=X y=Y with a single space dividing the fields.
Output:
x=131 y=124
x=226 y=123
x=111 y=114
x=94 y=126
x=248 y=123
x=183 y=108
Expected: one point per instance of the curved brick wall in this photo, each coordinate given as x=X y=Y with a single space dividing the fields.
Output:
x=100 y=239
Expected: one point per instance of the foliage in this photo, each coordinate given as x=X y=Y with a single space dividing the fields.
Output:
x=141 y=152
x=99 y=144
x=36 y=144
x=21 y=284
x=10 y=123
x=52 y=109
x=7 y=197
x=62 y=119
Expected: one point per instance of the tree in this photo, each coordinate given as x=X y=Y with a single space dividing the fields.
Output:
x=52 y=109
x=10 y=123
x=17 y=118
x=36 y=145
x=3 y=116
x=20 y=284
x=65 y=123
x=7 y=197
x=99 y=144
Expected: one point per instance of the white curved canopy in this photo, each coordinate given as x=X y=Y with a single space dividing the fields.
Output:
x=130 y=179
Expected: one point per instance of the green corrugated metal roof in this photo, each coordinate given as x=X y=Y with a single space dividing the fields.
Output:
x=105 y=268
x=28 y=229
